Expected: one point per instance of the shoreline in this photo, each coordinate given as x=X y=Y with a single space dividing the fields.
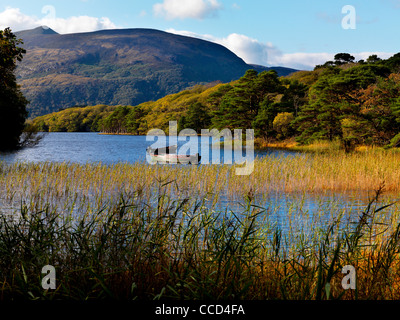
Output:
x=285 y=145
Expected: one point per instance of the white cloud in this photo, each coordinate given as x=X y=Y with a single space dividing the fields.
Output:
x=253 y=51
x=182 y=9
x=12 y=17
x=307 y=61
x=17 y=21
x=250 y=50
x=78 y=24
x=365 y=55
x=301 y=60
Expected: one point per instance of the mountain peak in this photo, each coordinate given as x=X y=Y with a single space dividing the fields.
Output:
x=46 y=30
x=36 y=31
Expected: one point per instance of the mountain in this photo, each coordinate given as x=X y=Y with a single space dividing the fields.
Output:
x=282 y=71
x=27 y=34
x=118 y=67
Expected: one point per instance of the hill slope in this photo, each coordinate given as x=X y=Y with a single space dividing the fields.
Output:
x=197 y=108
x=113 y=67
x=154 y=114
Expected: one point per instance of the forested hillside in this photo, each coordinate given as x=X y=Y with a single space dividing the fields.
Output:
x=354 y=102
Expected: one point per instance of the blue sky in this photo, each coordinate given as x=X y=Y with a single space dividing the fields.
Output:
x=291 y=33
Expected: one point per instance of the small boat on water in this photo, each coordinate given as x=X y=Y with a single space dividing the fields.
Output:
x=169 y=155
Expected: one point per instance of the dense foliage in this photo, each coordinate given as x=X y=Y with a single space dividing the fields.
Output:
x=76 y=119
x=12 y=102
x=353 y=102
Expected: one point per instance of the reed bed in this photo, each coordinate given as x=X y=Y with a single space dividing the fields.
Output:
x=309 y=173
x=138 y=231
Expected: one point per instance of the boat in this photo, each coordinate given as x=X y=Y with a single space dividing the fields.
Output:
x=169 y=155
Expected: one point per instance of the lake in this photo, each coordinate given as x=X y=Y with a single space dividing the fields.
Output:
x=110 y=149
x=94 y=147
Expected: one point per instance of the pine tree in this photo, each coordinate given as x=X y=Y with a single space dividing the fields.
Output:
x=197 y=117
x=240 y=106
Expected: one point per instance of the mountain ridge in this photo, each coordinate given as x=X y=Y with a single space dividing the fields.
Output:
x=118 y=67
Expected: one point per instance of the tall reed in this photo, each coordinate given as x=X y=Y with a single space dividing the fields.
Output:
x=152 y=232
x=174 y=248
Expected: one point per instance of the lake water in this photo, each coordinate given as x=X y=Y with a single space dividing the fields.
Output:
x=93 y=147
x=109 y=149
